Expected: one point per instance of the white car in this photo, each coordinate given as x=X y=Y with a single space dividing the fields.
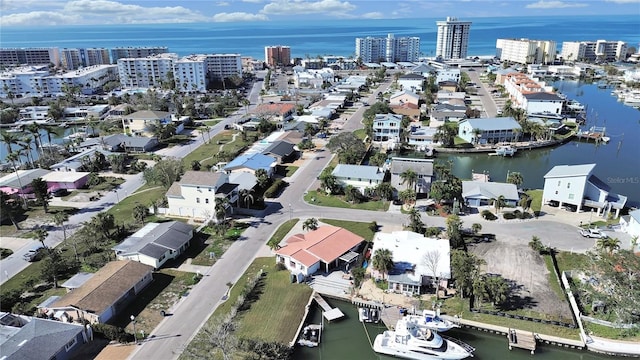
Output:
x=593 y=233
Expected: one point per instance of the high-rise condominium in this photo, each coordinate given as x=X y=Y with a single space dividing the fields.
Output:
x=453 y=38
x=277 y=55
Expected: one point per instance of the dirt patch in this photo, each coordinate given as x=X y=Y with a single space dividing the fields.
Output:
x=527 y=270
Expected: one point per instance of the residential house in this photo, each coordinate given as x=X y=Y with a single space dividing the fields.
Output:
x=387 y=127
x=119 y=143
x=422 y=167
x=358 y=176
x=19 y=182
x=576 y=185
x=423 y=69
x=411 y=82
x=445 y=112
x=631 y=223
x=417 y=260
x=76 y=162
x=282 y=151
x=66 y=180
x=142 y=123
x=480 y=193
x=421 y=138
x=156 y=243
x=448 y=86
x=489 y=130
x=251 y=163
x=451 y=97
x=404 y=98
x=278 y=113
x=26 y=338
x=542 y=102
x=103 y=296
x=323 y=249
x=77 y=280
x=450 y=75
x=196 y=193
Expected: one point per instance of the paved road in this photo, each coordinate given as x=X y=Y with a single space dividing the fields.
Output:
x=485 y=96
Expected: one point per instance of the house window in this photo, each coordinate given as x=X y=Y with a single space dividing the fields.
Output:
x=206 y=201
x=571 y=196
x=558 y=182
x=70 y=344
x=568 y=185
x=198 y=200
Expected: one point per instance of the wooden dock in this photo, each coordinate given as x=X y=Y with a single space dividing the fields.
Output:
x=522 y=339
x=328 y=312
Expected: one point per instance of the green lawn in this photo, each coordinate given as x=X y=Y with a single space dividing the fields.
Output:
x=607 y=332
x=35 y=214
x=553 y=279
x=358 y=228
x=360 y=133
x=283 y=230
x=291 y=170
x=123 y=211
x=321 y=199
x=279 y=308
x=213 y=243
x=536 y=200
x=570 y=261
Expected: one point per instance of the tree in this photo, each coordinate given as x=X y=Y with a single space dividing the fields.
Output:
x=431 y=260
x=41 y=234
x=41 y=191
x=140 y=212
x=465 y=268
x=407 y=196
x=385 y=191
x=9 y=139
x=515 y=178
x=165 y=172
x=494 y=289
x=60 y=218
x=220 y=338
x=348 y=147
x=454 y=231
x=382 y=261
x=536 y=245
x=247 y=197
x=445 y=134
x=378 y=159
x=34 y=129
x=10 y=207
x=103 y=223
x=415 y=221
x=476 y=228
x=499 y=203
x=118 y=163
x=220 y=208
x=328 y=182
x=310 y=224
x=262 y=178
x=409 y=177
x=195 y=165
x=608 y=244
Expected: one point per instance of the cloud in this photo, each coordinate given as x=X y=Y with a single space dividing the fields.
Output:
x=624 y=1
x=239 y=16
x=292 y=7
x=40 y=18
x=554 y=5
x=8 y=5
x=373 y=15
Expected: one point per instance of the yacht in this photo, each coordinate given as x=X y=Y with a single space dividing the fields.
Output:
x=505 y=150
x=431 y=320
x=410 y=341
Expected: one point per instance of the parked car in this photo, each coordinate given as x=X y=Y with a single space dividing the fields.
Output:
x=593 y=233
x=33 y=254
x=59 y=192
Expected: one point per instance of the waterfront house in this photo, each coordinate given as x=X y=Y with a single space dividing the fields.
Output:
x=542 y=102
x=156 y=243
x=119 y=143
x=358 y=176
x=489 y=130
x=66 y=180
x=481 y=193
x=25 y=337
x=387 y=127
x=411 y=82
x=422 y=167
x=77 y=161
x=142 y=123
x=577 y=186
x=194 y=195
x=251 y=163
x=275 y=112
x=20 y=182
x=104 y=295
x=631 y=223
x=421 y=137
x=415 y=258
x=323 y=249
x=404 y=99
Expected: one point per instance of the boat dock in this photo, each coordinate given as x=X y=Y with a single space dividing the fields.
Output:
x=329 y=313
x=522 y=339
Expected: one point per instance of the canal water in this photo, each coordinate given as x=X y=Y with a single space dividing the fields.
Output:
x=618 y=162
x=346 y=339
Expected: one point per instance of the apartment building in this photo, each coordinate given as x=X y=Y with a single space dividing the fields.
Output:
x=600 y=50
x=389 y=49
x=221 y=66
x=191 y=73
x=146 y=72
x=531 y=95
x=453 y=38
x=136 y=52
x=277 y=55
x=29 y=56
x=525 y=51
x=72 y=59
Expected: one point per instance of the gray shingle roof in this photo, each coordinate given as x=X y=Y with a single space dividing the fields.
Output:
x=542 y=96
x=358 y=172
x=400 y=165
x=39 y=339
x=279 y=148
x=156 y=238
x=570 y=170
x=489 y=190
x=487 y=124
x=119 y=139
x=200 y=178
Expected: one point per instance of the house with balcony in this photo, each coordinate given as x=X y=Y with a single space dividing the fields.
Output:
x=576 y=185
x=387 y=127
x=323 y=249
x=196 y=193
x=404 y=99
x=142 y=123
x=422 y=167
x=489 y=130
x=542 y=103
x=411 y=82
x=358 y=176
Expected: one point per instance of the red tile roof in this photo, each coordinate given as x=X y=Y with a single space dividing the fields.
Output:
x=276 y=108
x=327 y=243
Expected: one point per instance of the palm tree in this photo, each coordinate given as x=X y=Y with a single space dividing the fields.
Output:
x=25 y=148
x=12 y=157
x=9 y=138
x=247 y=197
x=515 y=178
x=246 y=103
x=328 y=181
x=41 y=234
x=407 y=196
x=59 y=219
x=310 y=224
x=477 y=133
x=51 y=130
x=499 y=203
x=262 y=178
x=608 y=244
x=409 y=177
x=221 y=208
x=382 y=261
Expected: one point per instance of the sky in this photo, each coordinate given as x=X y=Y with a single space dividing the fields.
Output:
x=90 y=12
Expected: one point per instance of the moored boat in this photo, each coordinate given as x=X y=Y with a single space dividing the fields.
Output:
x=505 y=150
x=431 y=320
x=310 y=335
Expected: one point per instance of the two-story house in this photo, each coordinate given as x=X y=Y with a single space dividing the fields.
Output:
x=358 y=176
x=142 y=123
x=422 y=167
x=404 y=98
x=197 y=192
x=489 y=130
x=411 y=82
x=387 y=127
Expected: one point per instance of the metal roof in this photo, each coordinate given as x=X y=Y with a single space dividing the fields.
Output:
x=570 y=170
x=489 y=190
x=358 y=172
x=488 y=124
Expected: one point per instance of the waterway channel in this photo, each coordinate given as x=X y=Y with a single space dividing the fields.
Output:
x=618 y=162
x=346 y=339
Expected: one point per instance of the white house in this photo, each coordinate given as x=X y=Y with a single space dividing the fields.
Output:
x=631 y=223
x=156 y=243
x=358 y=176
x=449 y=74
x=195 y=195
x=489 y=130
x=387 y=127
x=411 y=82
x=480 y=193
x=421 y=137
x=141 y=123
x=576 y=185
x=415 y=258
x=542 y=102
x=323 y=249
x=404 y=98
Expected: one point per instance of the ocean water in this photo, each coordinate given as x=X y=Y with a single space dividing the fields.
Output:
x=336 y=37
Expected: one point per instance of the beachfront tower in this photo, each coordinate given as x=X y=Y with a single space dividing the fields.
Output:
x=453 y=38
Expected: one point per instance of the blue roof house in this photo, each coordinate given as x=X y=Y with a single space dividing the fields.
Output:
x=489 y=130
x=251 y=163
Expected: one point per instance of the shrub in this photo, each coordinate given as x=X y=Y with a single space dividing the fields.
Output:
x=488 y=215
x=526 y=215
x=280 y=266
x=275 y=188
x=373 y=226
x=111 y=332
x=517 y=214
x=509 y=216
x=432 y=231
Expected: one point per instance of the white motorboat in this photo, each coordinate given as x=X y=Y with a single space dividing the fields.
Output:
x=505 y=150
x=310 y=335
x=431 y=320
x=409 y=341
x=363 y=314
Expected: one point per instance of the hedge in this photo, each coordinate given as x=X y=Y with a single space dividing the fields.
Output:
x=275 y=188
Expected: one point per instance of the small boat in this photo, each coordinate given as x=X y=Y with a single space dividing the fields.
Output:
x=505 y=150
x=431 y=320
x=605 y=139
x=310 y=335
x=363 y=314
x=409 y=341
x=374 y=315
